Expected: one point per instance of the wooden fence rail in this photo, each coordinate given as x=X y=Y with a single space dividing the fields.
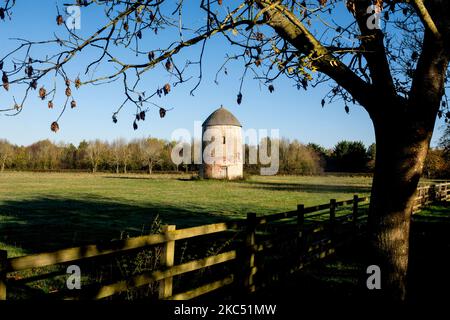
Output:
x=426 y=195
x=327 y=232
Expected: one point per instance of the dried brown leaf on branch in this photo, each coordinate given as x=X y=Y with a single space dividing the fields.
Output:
x=168 y=65
x=166 y=89
x=259 y=36
x=42 y=93
x=5 y=81
x=59 y=20
x=239 y=98
x=29 y=71
x=379 y=4
x=34 y=84
x=54 y=126
x=351 y=6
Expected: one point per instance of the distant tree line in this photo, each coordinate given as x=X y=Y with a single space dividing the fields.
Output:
x=118 y=156
x=312 y=159
x=152 y=154
x=437 y=164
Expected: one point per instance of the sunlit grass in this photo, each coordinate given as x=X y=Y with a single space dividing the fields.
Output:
x=42 y=211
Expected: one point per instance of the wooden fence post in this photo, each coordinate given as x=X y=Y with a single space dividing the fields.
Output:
x=167 y=261
x=332 y=217
x=3 y=265
x=355 y=211
x=301 y=226
x=443 y=193
x=432 y=194
x=447 y=193
x=250 y=243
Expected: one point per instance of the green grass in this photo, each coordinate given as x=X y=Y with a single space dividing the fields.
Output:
x=13 y=250
x=47 y=211
x=435 y=211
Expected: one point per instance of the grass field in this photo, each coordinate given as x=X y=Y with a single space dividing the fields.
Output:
x=46 y=211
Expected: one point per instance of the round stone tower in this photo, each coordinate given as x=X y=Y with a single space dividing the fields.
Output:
x=222 y=150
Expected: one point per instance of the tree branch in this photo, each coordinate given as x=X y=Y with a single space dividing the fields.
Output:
x=290 y=28
x=426 y=19
x=372 y=42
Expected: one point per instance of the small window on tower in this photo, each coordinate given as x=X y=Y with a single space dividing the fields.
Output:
x=224 y=140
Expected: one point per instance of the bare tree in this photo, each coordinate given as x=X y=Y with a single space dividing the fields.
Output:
x=96 y=152
x=396 y=71
x=115 y=150
x=44 y=155
x=151 y=149
x=444 y=142
x=125 y=155
x=6 y=153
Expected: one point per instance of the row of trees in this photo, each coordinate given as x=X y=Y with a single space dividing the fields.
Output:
x=155 y=154
x=151 y=154
x=118 y=156
x=311 y=159
x=437 y=163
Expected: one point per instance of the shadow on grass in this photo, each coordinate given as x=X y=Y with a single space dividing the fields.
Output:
x=44 y=224
x=342 y=277
x=430 y=255
x=304 y=187
x=140 y=177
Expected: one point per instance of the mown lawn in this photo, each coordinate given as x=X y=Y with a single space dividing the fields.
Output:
x=46 y=211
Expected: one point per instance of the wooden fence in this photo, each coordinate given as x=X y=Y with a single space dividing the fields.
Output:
x=314 y=233
x=431 y=193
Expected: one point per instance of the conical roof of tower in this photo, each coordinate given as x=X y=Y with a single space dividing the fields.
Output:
x=221 y=117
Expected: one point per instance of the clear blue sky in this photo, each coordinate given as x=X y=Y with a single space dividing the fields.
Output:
x=296 y=113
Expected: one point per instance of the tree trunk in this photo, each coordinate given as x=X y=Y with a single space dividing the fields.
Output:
x=2 y=167
x=125 y=168
x=402 y=144
x=403 y=130
x=150 y=165
x=403 y=124
x=117 y=168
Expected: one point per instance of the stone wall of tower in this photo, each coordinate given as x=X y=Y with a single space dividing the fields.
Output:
x=226 y=153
